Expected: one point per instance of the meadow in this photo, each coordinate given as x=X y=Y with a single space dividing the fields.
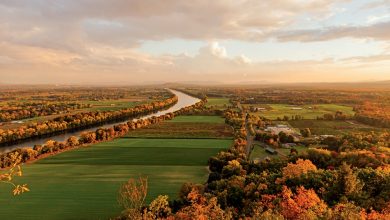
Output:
x=273 y=111
x=218 y=103
x=195 y=127
x=83 y=183
x=113 y=105
x=259 y=152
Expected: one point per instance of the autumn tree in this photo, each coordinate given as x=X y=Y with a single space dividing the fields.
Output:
x=132 y=196
x=305 y=204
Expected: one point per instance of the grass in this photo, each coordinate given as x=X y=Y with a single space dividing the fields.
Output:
x=259 y=153
x=113 y=105
x=184 y=130
x=219 y=103
x=199 y=119
x=83 y=183
x=279 y=110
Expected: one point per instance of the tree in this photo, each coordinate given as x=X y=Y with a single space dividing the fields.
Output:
x=132 y=196
x=72 y=141
x=7 y=178
x=295 y=170
x=306 y=132
x=158 y=208
x=305 y=204
x=349 y=184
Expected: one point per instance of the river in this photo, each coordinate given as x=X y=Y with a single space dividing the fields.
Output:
x=184 y=100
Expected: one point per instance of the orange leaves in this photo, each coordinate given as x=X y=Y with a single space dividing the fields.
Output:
x=19 y=189
x=295 y=170
x=201 y=208
x=304 y=204
x=7 y=178
x=132 y=194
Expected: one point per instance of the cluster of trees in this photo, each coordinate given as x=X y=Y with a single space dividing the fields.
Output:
x=319 y=184
x=79 y=121
x=376 y=114
x=363 y=141
x=23 y=155
x=339 y=115
x=17 y=111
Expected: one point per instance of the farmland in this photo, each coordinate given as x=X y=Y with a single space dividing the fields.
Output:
x=323 y=127
x=274 y=111
x=86 y=180
x=218 y=103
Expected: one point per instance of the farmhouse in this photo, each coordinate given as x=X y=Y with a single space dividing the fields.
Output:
x=270 y=150
x=16 y=122
x=279 y=128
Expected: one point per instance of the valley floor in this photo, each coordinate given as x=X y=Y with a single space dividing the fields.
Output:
x=84 y=183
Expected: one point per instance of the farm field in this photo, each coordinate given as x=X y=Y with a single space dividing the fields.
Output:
x=113 y=105
x=198 y=119
x=218 y=103
x=184 y=130
x=86 y=180
x=273 y=111
x=323 y=127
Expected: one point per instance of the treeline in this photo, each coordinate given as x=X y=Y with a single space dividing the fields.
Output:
x=23 y=155
x=198 y=94
x=75 y=94
x=18 y=111
x=375 y=114
x=309 y=96
x=319 y=184
x=78 y=121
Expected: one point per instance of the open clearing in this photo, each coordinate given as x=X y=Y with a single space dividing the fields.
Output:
x=199 y=127
x=199 y=119
x=83 y=183
x=114 y=105
x=273 y=111
x=259 y=152
x=184 y=130
x=218 y=103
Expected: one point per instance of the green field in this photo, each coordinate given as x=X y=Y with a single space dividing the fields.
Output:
x=184 y=130
x=83 y=183
x=219 y=103
x=308 y=111
x=200 y=118
x=113 y=105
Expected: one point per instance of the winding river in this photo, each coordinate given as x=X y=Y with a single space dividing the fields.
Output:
x=184 y=100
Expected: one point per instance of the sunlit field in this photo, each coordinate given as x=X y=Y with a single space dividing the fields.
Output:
x=84 y=183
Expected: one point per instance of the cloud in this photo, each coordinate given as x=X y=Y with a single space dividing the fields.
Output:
x=378 y=31
x=77 y=25
x=97 y=40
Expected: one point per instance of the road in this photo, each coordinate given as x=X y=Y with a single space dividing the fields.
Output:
x=249 y=137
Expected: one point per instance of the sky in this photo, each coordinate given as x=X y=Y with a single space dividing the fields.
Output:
x=218 y=41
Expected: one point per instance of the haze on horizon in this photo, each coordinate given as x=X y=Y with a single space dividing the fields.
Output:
x=144 y=41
